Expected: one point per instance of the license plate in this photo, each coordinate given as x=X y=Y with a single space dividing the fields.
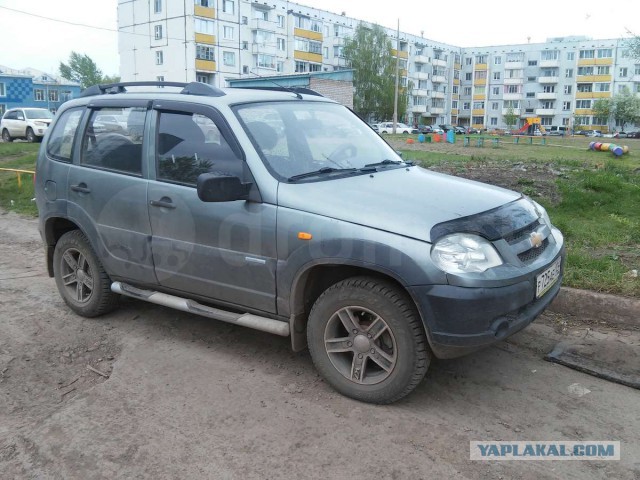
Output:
x=546 y=279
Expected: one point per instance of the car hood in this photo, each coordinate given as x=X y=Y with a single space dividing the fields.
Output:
x=407 y=201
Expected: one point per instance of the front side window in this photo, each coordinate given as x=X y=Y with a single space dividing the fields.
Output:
x=295 y=138
x=189 y=144
x=62 y=135
x=113 y=140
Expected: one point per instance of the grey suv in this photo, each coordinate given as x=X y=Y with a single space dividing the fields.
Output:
x=284 y=212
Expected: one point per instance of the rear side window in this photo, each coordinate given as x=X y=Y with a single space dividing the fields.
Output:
x=113 y=140
x=60 y=145
x=190 y=144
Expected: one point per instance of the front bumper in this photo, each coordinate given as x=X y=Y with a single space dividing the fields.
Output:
x=460 y=320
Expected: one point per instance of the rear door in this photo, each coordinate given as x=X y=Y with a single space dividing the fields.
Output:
x=108 y=194
x=224 y=251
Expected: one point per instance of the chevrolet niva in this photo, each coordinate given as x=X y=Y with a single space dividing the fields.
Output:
x=284 y=212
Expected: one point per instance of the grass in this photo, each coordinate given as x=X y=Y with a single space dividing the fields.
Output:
x=595 y=201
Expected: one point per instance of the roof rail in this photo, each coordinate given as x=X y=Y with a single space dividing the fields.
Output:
x=191 y=88
x=304 y=90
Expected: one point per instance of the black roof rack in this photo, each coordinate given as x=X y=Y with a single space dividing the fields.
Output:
x=304 y=90
x=191 y=88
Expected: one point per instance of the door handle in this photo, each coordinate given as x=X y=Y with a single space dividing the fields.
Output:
x=82 y=188
x=163 y=203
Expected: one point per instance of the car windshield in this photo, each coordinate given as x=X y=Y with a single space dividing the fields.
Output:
x=35 y=113
x=296 y=138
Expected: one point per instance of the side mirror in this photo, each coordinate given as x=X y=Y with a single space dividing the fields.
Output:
x=214 y=187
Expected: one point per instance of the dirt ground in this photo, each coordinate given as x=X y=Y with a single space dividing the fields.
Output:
x=171 y=395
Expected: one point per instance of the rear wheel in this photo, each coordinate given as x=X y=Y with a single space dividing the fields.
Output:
x=367 y=340
x=31 y=137
x=6 y=136
x=80 y=277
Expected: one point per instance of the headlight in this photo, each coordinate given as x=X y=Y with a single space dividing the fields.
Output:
x=40 y=124
x=464 y=253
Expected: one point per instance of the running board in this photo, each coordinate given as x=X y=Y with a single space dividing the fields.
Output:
x=245 y=319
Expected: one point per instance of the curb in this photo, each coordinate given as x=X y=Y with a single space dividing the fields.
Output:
x=613 y=309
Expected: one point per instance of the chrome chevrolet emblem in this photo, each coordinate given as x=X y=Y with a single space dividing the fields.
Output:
x=536 y=239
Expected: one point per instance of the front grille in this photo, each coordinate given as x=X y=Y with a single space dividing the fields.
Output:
x=518 y=235
x=530 y=255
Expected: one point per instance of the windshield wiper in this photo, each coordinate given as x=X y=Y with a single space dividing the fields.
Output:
x=321 y=171
x=387 y=162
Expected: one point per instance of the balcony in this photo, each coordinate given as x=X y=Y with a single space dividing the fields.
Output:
x=205 y=65
x=593 y=78
x=481 y=66
x=514 y=81
x=516 y=111
x=419 y=109
x=264 y=48
x=261 y=24
x=548 y=79
x=477 y=112
x=421 y=75
x=307 y=56
x=545 y=111
x=437 y=62
x=402 y=54
x=205 y=38
x=308 y=34
x=437 y=110
x=514 y=65
x=546 y=95
x=420 y=92
x=595 y=61
x=421 y=59
x=439 y=79
x=636 y=78
x=512 y=96
x=205 y=12
x=435 y=94
x=549 y=63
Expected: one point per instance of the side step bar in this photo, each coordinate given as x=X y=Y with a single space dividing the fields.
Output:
x=245 y=319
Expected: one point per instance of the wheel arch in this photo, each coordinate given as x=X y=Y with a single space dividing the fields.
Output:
x=54 y=228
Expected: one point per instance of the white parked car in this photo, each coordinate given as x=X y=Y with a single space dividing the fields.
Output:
x=28 y=123
x=387 y=127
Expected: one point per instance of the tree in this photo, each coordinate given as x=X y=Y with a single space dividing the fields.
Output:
x=110 y=79
x=603 y=108
x=626 y=108
x=510 y=118
x=634 y=46
x=81 y=69
x=374 y=68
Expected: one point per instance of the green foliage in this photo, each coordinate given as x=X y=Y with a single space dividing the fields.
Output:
x=510 y=118
x=626 y=108
x=81 y=69
x=12 y=197
x=110 y=79
x=603 y=108
x=369 y=54
x=633 y=44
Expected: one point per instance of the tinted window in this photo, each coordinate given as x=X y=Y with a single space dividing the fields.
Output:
x=191 y=144
x=113 y=140
x=61 y=138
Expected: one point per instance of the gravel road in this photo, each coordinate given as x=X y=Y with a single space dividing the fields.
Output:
x=175 y=396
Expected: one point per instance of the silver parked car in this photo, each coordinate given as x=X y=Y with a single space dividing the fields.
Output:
x=27 y=123
x=280 y=222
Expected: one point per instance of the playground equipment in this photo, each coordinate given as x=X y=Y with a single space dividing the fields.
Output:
x=617 y=150
x=531 y=126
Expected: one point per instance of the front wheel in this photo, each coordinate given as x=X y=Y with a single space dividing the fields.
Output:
x=367 y=340
x=31 y=137
x=80 y=277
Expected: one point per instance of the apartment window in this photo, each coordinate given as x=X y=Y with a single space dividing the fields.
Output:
x=568 y=89
x=204 y=26
x=245 y=45
x=229 y=59
x=571 y=55
x=454 y=104
x=65 y=95
x=159 y=57
x=478 y=120
x=204 y=3
x=160 y=78
x=622 y=88
x=316 y=47
x=568 y=73
x=2 y=90
x=157 y=31
x=338 y=51
x=466 y=91
x=316 y=67
x=583 y=103
x=468 y=60
x=480 y=74
x=456 y=74
x=531 y=79
x=245 y=20
x=228 y=6
x=515 y=104
x=157 y=6
x=53 y=95
x=623 y=72
x=316 y=26
x=466 y=105
x=495 y=105
x=549 y=55
x=531 y=94
x=38 y=95
x=479 y=90
x=478 y=105
x=532 y=63
x=265 y=61
x=302 y=22
x=603 y=70
x=494 y=121
x=280 y=67
x=549 y=89
x=512 y=89
x=605 y=53
x=587 y=54
x=566 y=105
x=227 y=32
x=281 y=21
x=455 y=90
x=496 y=75
x=565 y=121
x=261 y=15
x=263 y=36
x=497 y=60
x=546 y=121
x=467 y=76
x=583 y=120
x=515 y=57
x=282 y=46
x=204 y=53
x=495 y=90
x=325 y=52
x=301 y=67
x=585 y=87
x=585 y=70
x=481 y=59
x=636 y=69
x=602 y=87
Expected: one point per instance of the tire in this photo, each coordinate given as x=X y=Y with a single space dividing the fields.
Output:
x=31 y=137
x=383 y=355
x=6 y=136
x=87 y=293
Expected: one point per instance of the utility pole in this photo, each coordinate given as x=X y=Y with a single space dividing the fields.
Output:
x=395 y=97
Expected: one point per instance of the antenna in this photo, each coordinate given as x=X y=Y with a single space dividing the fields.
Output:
x=286 y=89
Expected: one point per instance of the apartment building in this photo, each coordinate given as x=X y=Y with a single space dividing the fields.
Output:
x=218 y=41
